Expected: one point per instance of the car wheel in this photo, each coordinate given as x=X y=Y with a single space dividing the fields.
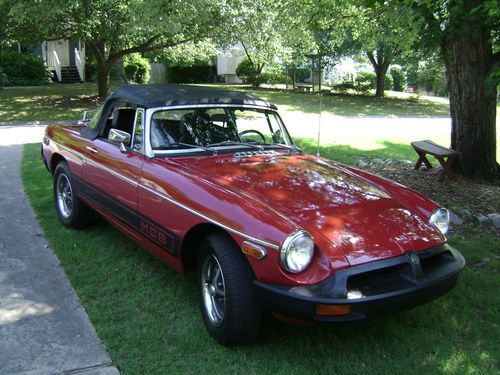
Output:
x=70 y=210
x=226 y=293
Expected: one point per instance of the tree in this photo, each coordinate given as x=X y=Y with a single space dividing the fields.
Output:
x=467 y=34
x=270 y=32
x=116 y=28
x=388 y=32
x=381 y=30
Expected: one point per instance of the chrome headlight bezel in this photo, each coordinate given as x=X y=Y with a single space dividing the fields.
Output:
x=440 y=218
x=288 y=251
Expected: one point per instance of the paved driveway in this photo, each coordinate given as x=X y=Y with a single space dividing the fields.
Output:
x=43 y=327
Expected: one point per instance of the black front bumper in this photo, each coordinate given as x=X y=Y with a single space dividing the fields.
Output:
x=371 y=289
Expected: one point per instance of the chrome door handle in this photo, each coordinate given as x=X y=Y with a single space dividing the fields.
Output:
x=92 y=150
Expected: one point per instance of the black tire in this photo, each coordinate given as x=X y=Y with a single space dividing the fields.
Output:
x=70 y=210
x=234 y=318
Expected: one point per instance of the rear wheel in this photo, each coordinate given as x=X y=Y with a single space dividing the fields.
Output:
x=70 y=210
x=226 y=293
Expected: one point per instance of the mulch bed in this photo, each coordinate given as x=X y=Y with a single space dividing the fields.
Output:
x=466 y=197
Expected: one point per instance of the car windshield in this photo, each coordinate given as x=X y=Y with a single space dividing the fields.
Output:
x=215 y=127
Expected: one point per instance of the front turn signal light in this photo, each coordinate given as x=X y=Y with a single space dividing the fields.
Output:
x=328 y=310
x=253 y=250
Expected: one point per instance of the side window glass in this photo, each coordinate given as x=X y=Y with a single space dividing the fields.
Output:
x=138 y=140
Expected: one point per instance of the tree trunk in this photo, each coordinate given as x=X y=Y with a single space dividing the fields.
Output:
x=469 y=61
x=103 y=69
x=379 y=92
x=380 y=64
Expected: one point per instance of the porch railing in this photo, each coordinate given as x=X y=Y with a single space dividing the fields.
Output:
x=57 y=64
x=80 y=63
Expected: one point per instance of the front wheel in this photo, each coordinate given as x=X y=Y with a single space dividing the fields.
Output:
x=226 y=293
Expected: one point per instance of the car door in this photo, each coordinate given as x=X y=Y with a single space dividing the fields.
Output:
x=111 y=172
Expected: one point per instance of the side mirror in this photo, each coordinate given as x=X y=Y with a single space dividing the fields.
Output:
x=118 y=136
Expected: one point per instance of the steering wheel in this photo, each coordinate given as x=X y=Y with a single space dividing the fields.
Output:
x=253 y=131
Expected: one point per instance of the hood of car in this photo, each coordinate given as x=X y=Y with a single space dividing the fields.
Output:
x=359 y=217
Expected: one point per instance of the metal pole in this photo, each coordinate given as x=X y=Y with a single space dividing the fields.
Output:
x=319 y=120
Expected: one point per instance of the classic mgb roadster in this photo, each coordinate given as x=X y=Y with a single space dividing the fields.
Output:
x=210 y=180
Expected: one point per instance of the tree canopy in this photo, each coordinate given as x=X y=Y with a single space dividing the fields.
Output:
x=115 y=28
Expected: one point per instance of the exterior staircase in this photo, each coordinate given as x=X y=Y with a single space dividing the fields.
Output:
x=69 y=74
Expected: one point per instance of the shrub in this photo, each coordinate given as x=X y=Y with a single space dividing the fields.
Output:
x=440 y=85
x=429 y=75
x=198 y=73
x=273 y=74
x=137 y=68
x=248 y=73
x=90 y=69
x=344 y=87
x=388 y=82
x=399 y=78
x=365 y=81
x=23 y=69
x=2 y=77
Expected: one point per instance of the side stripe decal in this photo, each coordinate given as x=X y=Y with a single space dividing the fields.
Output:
x=153 y=231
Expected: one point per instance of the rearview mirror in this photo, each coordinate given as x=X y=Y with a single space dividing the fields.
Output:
x=118 y=136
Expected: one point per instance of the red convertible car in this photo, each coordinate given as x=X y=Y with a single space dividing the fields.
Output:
x=210 y=180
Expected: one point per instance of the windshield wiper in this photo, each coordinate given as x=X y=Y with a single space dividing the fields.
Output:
x=197 y=146
x=289 y=148
x=229 y=143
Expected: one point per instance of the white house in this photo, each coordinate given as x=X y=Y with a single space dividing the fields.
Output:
x=64 y=57
x=227 y=62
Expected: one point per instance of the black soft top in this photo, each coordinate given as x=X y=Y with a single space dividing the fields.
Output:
x=150 y=96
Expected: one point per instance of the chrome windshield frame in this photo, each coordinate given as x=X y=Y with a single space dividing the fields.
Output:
x=149 y=152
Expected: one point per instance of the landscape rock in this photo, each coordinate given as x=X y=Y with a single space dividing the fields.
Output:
x=465 y=214
x=495 y=220
x=481 y=219
x=361 y=164
x=377 y=161
x=455 y=219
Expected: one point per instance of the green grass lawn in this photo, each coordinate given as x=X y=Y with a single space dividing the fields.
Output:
x=148 y=318
x=66 y=102
x=350 y=155
x=47 y=103
x=351 y=105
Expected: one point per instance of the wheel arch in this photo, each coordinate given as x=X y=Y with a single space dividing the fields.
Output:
x=54 y=160
x=190 y=245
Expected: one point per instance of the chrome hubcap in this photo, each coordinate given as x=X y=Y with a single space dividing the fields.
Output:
x=64 y=196
x=213 y=290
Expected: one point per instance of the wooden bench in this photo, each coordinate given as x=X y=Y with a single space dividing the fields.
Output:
x=444 y=155
x=301 y=88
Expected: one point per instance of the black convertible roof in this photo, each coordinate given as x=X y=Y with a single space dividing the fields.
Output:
x=149 y=96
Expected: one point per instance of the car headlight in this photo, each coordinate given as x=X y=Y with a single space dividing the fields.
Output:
x=297 y=251
x=441 y=219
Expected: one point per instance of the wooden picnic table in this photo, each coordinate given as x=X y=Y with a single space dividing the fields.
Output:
x=302 y=88
x=444 y=155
